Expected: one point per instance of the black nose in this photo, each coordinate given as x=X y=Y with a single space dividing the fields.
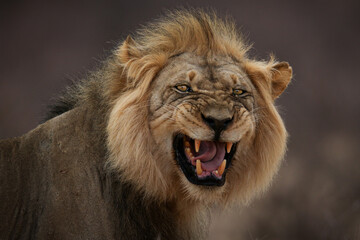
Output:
x=218 y=125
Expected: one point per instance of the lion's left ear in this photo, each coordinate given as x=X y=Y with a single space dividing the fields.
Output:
x=127 y=50
x=281 y=76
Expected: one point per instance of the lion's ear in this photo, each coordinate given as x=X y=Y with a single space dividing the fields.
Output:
x=281 y=76
x=127 y=50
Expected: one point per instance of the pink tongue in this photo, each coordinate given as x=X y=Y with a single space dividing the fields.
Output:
x=211 y=155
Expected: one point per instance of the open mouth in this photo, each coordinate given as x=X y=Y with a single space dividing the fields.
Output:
x=203 y=162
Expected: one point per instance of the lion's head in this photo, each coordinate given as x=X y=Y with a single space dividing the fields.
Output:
x=193 y=117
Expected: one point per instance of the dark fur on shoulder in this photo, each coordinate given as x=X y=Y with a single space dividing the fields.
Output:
x=64 y=103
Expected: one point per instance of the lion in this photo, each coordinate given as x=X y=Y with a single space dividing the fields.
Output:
x=178 y=119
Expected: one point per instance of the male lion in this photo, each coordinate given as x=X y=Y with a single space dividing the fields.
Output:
x=178 y=119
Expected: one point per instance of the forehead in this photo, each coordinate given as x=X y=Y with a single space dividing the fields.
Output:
x=206 y=72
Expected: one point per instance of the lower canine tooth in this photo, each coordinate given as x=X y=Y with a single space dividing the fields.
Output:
x=221 y=169
x=228 y=147
x=198 y=167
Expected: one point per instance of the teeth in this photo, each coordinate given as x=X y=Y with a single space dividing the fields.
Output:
x=197 y=145
x=221 y=169
x=198 y=167
x=228 y=147
x=189 y=153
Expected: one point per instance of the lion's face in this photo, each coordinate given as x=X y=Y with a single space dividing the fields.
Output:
x=201 y=114
x=200 y=125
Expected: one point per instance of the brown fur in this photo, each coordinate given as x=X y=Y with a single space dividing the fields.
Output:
x=132 y=103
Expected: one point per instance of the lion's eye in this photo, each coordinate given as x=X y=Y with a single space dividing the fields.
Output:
x=238 y=92
x=183 y=88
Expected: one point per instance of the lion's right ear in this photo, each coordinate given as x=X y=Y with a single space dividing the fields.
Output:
x=127 y=51
x=281 y=76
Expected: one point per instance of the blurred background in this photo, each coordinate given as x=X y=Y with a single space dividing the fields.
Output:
x=44 y=45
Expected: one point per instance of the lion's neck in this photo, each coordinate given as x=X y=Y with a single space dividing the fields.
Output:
x=192 y=218
x=138 y=216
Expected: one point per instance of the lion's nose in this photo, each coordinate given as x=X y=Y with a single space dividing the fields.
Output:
x=218 y=125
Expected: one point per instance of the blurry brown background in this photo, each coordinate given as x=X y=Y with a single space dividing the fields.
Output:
x=316 y=195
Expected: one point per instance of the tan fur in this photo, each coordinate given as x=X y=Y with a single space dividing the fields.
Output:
x=142 y=123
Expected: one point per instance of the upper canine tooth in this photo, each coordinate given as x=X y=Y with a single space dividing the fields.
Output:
x=228 y=146
x=221 y=169
x=198 y=167
x=197 y=145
